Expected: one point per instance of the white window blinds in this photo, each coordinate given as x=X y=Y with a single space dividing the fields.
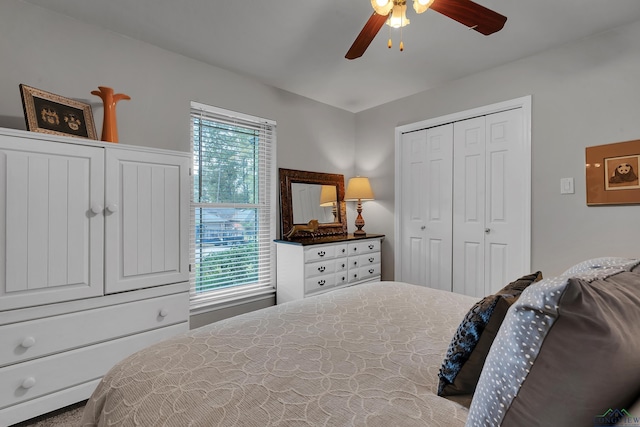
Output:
x=233 y=219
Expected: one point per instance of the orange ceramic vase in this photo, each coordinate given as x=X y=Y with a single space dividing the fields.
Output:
x=109 y=125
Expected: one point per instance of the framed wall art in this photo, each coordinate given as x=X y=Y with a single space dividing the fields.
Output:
x=46 y=112
x=612 y=174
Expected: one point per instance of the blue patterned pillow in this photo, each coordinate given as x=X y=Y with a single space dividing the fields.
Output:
x=458 y=374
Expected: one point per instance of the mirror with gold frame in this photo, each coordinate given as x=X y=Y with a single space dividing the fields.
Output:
x=306 y=196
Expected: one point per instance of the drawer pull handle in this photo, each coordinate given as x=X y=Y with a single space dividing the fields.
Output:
x=355 y=276
x=343 y=265
x=343 y=278
x=355 y=249
x=355 y=262
x=28 y=382
x=371 y=259
x=28 y=342
x=321 y=253
x=321 y=282
x=163 y=312
x=370 y=246
x=321 y=269
x=371 y=270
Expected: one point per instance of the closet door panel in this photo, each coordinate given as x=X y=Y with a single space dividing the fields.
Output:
x=439 y=205
x=413 y=212
x=505 y=213
x=469 y=206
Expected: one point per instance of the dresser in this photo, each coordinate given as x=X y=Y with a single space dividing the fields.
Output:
x=312 y=266
x=94 y=263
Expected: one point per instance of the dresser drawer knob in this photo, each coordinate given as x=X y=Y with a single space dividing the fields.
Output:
x=28 y=382
x=28 y=342
x=343 y=265
x=355 y=263
x=370 y=246
x=355 y=249
x=163 y=312
x=344 y=250
x=321 y=269
x=321 y=253
x=355 y=276
x=321 y=282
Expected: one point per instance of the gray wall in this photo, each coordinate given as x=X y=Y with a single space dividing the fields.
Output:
x=583 y=94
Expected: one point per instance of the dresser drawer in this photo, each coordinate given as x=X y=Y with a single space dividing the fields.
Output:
x=320 y=268
x=319 y=283
x=41 y=337
x=359 y=248
x=369 y=271
x=369 y=259
x=29 y=380
x=317 y=253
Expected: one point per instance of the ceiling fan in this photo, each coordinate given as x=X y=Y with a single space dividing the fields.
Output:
x=393 y=12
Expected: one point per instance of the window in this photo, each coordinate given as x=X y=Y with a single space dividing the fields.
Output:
x=233 y=206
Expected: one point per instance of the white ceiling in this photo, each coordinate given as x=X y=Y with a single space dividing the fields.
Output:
x=299 y=45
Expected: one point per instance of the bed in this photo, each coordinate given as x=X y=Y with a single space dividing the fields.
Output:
x=368 y=355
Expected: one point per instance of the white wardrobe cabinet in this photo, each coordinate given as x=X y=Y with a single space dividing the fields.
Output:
x=93 y=263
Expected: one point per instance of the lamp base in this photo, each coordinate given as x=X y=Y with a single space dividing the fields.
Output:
x=359 y=221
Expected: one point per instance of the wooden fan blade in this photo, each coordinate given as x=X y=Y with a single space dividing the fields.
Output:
x=470 y=14
x=366 y=36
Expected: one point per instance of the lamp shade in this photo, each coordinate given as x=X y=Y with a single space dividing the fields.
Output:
x=359 y=188
x=328 y=195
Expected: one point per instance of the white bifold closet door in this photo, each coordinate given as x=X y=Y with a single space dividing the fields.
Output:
x=463 y=216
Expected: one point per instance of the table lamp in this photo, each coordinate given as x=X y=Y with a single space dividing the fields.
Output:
x=359 y=189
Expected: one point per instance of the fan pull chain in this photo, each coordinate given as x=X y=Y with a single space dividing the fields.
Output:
x=389 y=44
x=401 y=43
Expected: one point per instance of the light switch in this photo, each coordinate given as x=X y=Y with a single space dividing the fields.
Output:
x=566 y=186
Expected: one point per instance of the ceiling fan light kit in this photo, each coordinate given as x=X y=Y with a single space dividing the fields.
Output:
x=393 y=13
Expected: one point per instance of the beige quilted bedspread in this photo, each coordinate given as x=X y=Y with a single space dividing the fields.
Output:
x=367 y=355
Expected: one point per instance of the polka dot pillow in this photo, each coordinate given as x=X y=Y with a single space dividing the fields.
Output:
x=567 y=351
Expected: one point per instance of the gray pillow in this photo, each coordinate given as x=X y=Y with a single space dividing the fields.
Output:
x=567 y=351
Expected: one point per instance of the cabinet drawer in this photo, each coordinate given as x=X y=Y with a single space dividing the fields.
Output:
x=319 y=268
x=317 y=253
x=319 y=283
x=358 y=248
x=29 y=380
x=369 y=259
x=369 y=271
x=41 y=337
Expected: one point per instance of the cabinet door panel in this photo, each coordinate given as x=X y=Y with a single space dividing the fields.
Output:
x=51 y=241
x=147 y=231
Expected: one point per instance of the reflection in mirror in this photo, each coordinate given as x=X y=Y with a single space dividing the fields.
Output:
x=312 y=195
x=307 y=203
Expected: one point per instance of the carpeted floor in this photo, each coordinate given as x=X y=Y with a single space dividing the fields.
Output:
x=69 y=416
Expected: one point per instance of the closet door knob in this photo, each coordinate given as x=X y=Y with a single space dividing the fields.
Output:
x=112 y=207
x=163 y=312
x=424 y=227
x=487 y=230
x=96 y=208
x=28 y=342
x=28 y=382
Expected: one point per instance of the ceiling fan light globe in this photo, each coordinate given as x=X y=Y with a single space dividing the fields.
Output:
x=398 y=17
x=382 y=7
x=421 y=6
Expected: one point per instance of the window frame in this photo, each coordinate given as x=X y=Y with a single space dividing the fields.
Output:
x=232 y=295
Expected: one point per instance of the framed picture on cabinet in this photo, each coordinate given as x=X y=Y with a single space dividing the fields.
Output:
x=612 y=174
x=53 y=114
